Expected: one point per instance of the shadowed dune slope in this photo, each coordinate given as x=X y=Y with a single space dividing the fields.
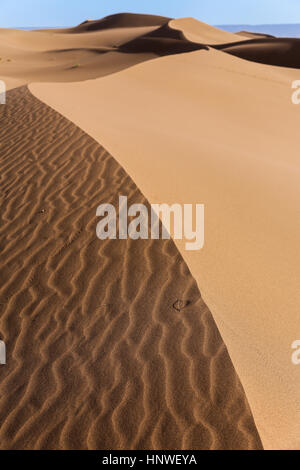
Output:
x=99 y=47
x=109 y=343
x=283 y=52
x=197 y=31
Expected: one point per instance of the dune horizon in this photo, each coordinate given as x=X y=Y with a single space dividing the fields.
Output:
x=166 y=111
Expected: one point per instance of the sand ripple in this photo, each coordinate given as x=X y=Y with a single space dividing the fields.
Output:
x=99 y=354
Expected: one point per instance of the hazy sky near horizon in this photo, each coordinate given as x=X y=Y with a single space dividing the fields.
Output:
x=18 y=13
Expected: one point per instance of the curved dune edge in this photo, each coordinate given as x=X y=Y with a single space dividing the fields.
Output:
x=206 y=133
x=117 y=21
x=98 y=357
x=280 y=52
x=197 y=31
x=251 y=35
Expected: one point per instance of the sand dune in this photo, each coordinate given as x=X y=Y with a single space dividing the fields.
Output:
x=197 y=31
x=162 y=41
x=89 y=50
x=51 y=56
x=109 y=344
x=251 y=35
x=203 y=127
x=282 y=52
x=216 y=131
x=121 y=20
x=98 y=48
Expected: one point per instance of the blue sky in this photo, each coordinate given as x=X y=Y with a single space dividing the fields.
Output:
x=70 y=12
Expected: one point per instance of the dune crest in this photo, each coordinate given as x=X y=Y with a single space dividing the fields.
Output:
x=197 y=31
x=281 y=52
x=251 y=35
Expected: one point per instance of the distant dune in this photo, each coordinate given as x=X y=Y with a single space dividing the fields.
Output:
x=121 y=20
x=109 y=344
x=98 y=48
x=250 y=35
x=282 y=52
x=197 y=31
x=163 y=41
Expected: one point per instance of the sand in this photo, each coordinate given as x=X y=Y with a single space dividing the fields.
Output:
x=282 y=52
x=98 y=48
x=109 y=344
x=206 y=127
x=197 y=31
x=251 y=35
